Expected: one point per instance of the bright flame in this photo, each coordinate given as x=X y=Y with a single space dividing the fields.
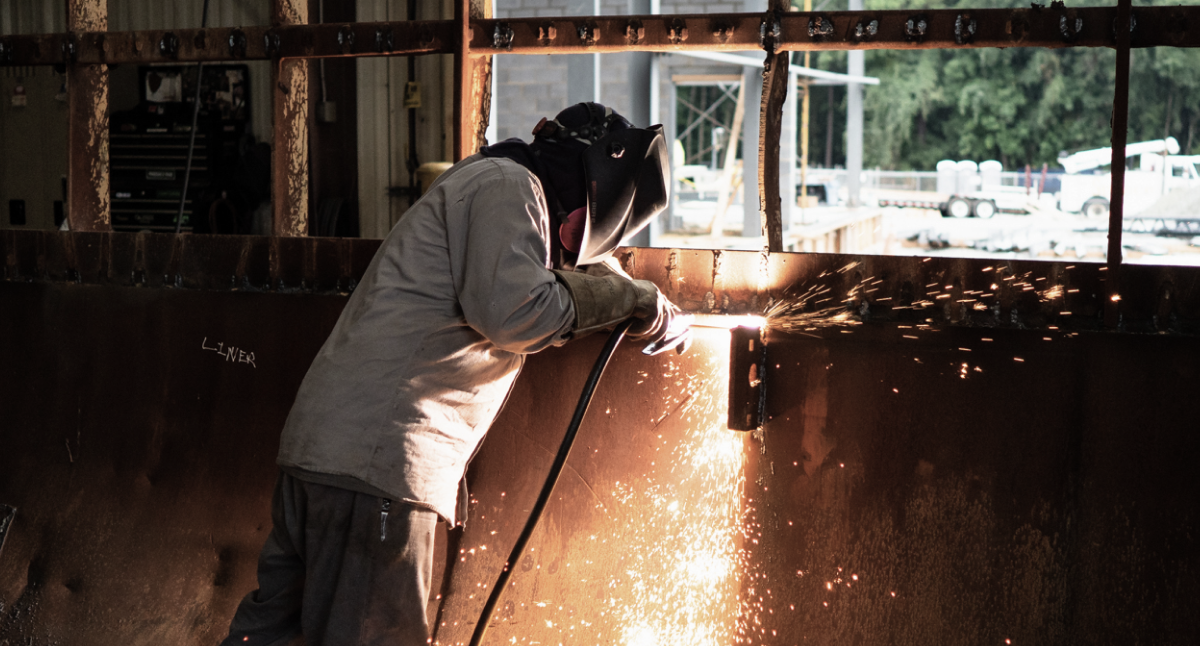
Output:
x=641 y=635
x=728 y=321
x=683 y=535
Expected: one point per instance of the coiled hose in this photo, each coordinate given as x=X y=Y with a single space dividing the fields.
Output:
x=560 y=460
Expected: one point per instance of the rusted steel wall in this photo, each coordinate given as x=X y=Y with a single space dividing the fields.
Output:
x=963 y=486
x=1005 y=479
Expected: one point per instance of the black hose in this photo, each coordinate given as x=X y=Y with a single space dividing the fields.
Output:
x=585 y=399
x=187 y=171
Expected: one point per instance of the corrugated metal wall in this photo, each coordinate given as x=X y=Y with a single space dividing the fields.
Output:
x=133 y=15
x=383 y=119
x=46 y=16
x=32 y=17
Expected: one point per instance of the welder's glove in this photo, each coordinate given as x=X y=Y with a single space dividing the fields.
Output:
x=654 y=310
x=600 y=301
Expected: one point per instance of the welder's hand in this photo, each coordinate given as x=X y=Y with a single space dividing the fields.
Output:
x=654 y=311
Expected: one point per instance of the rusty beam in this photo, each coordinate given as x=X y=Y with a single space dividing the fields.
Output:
x=472 y=81
x=798 y=289
x=233 y=43
x=481 y=79
x=770 y=127
x=88 y=206
x=464 y=119
x=289 y=151
x=898 y=29
x=1120 y=132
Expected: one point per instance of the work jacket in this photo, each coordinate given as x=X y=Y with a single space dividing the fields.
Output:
x=429 y=344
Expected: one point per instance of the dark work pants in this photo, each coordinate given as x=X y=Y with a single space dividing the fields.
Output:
x=340 y=568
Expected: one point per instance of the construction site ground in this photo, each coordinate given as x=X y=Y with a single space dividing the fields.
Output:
x=1044 y=233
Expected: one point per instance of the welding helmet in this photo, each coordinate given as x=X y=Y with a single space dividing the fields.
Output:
x=625 y=169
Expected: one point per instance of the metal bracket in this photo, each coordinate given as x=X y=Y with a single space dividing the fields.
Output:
x=168 y=45
x=747 y=373
x=635 y=31
x=502 y=36
x=722 y=31
x=820 y=27
x=586 y=31
x=345 y=39
x=916 y=27
x=1069 y=26
x=385 y=40
x=964 y=29
x=865 y=30
x=770 y=31
x=1132 y=25
x=238 y=43
x=677 y=31
x=271 y=43
x=69 y=50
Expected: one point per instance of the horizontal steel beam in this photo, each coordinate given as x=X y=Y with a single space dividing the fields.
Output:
x=230 y=44
x=795 y=31
x=903 y=29
x=800 y=290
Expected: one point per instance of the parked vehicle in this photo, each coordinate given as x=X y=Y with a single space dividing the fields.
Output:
x=1159 y=170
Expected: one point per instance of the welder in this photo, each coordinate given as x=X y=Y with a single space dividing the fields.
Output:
x=509 y=252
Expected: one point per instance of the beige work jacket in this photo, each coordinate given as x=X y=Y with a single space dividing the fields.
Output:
x=429 y=344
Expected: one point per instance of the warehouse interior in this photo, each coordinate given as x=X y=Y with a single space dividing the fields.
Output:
x=934 y=450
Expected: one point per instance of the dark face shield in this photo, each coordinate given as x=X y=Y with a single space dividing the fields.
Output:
x=627 y=173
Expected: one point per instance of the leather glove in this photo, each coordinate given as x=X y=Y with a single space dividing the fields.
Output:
x=654 y=309
x=600 y=301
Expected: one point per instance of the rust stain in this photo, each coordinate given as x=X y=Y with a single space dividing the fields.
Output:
x=291 y=149
x=87 y=15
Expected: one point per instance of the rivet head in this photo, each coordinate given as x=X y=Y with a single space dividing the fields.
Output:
x=616 y=150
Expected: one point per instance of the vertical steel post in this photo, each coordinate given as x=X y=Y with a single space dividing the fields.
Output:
x=640 y=91
x=481 y=80
x=855 y=66
x=88 y=207
x=1120 y=127
x=465 y=123
x=770 y=126
x=289 y=152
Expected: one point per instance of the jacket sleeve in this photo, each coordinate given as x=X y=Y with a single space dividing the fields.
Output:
x=498 y=248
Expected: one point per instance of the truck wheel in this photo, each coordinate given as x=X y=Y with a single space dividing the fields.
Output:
x=1096 y=207
x=958 y=207
x=985 y=209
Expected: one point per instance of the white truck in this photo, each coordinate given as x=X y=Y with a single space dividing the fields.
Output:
x=1159 y=171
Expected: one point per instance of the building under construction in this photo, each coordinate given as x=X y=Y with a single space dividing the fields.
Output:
x=928 y=449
